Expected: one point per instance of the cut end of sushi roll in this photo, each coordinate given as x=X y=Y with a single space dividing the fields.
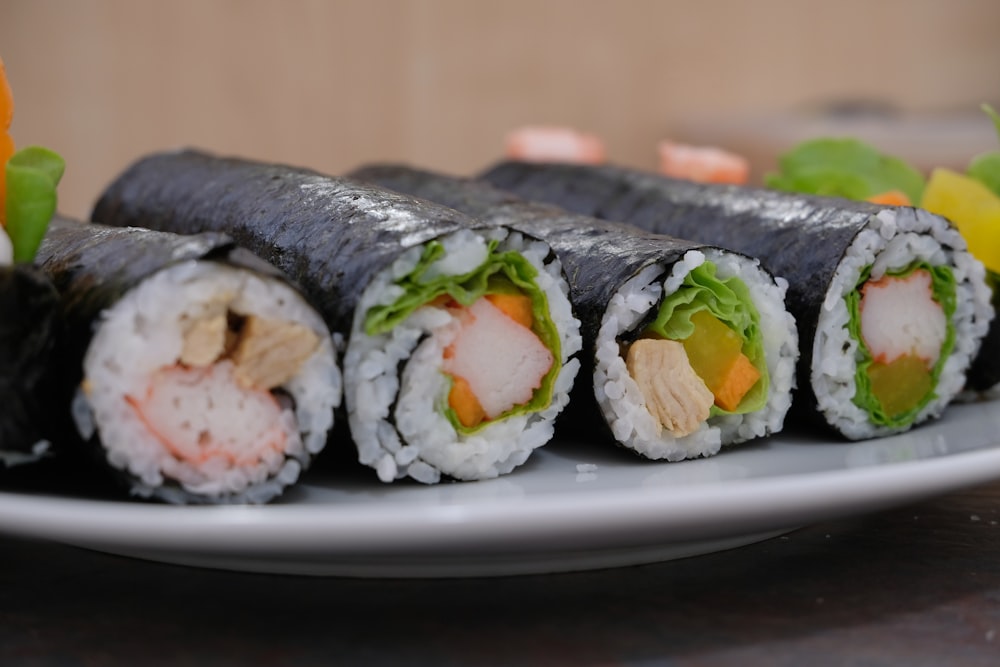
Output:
x=697 y=358
x=899 y=326
x=209 y=383
x=460 y=359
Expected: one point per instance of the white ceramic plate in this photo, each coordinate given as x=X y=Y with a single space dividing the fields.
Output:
x=574 y=506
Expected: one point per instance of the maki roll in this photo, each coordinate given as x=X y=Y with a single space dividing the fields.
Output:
x=27 y=334
x=196 y=371
x=689 y=346
x=891 y=307
x=459 y=336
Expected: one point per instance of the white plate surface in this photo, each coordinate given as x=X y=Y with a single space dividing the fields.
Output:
x=574 y=506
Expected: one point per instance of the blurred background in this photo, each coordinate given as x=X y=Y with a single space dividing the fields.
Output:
x=438 y=83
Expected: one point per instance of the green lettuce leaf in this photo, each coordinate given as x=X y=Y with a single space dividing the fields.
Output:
x=501 y=273
x=943 y=288
x=32 y=176
x=844 y=168
x=728 y=300
x=985 y=168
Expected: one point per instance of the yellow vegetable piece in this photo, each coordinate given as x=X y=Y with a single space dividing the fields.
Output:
x=901 y=384
x=972 y=207
x=715 y=353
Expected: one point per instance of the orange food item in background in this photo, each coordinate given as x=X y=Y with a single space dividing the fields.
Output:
x=515 y=306
x=6 y=142
x=702 y=164
x=541 y=143
x=891 y=198
x=463 y=401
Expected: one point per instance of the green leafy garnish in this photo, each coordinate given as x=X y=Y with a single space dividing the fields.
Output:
x=729 y=301
x=943 y=290
x=985 y=168
x=501 y=273
x=32 y=176
x=844 y=168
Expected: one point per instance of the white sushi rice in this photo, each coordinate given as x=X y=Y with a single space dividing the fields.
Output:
x=397 y=419
x=893 y=239
x=143 y=332
x=620 y=397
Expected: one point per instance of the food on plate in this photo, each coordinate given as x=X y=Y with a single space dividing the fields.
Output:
x=689 y=347
x=193 y=369
x=436 y=310
x=553 y=143
x=970 y=201
x=28 y=180
x=890 y=305
x=702 y=164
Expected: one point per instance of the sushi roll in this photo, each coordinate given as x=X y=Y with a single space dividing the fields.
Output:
x=891 y=307
x=689 y=347
x=194 y=370
x=460 y=338
x=27 y=337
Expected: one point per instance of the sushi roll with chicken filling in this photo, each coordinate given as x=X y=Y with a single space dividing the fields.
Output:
x=891 y=306
x=201 y=373
x=690 y=346
x=696 y=356
x=458 y=336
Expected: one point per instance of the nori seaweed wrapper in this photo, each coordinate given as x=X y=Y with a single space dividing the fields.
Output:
x=802 y=238
x=28 y=305
x=598 y=257
x=330 y=235
x=92 y=266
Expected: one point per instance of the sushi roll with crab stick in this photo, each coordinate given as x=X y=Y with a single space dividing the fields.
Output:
x=891 y=306
x=193 y=368
x=459 y=336
x=689 y=347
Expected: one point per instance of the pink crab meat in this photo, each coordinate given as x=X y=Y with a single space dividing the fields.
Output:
x=503 y=361
x=203 y=413
x=899 y=316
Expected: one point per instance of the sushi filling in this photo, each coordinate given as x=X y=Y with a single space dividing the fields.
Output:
x=705 y=346
x=501 y=343
x=902 y=323
x=459 y=358
x=703 y=357
x=220 y=392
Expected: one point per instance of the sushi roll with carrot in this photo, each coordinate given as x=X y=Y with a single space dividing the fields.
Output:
x=688 y=347
x=459 y=337
x=891 y=306
x=195 y=370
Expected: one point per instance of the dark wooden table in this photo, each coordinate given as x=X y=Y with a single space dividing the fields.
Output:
x=914 y=586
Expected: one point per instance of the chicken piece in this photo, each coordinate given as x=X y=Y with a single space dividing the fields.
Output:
x=269 y=352
x=673 y=392
x=204 y=341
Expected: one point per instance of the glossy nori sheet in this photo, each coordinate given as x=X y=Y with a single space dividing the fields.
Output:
x=331 y=235
x=799 y=237
x=598 y=257
x=28 y=304
x=92 y=266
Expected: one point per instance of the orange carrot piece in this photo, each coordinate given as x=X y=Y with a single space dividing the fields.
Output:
x=6 y=142
x=891 y=198
x=515 y=306
x=465 y=404
x=742 y=375
x=702 y=164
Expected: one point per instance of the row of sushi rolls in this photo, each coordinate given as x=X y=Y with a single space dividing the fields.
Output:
x=222 y=324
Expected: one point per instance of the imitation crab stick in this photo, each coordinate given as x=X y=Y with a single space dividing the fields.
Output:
x=703 y=164
x=496 y=361
x=541 y=143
